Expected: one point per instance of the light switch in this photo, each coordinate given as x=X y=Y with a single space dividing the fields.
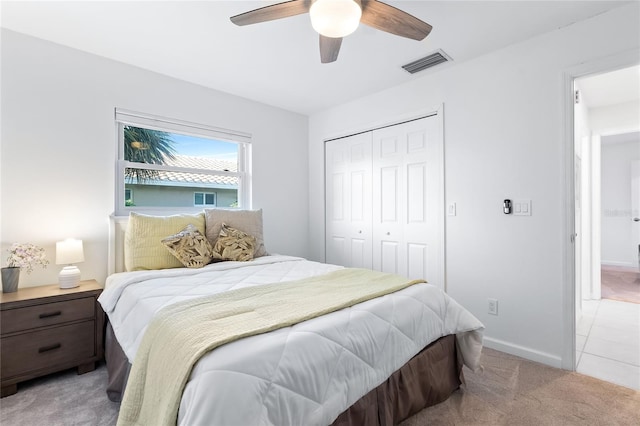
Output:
x=522 y=207
x=451 y=209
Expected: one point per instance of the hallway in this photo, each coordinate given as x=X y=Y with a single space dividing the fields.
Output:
x=608 y=342
x=621 y=283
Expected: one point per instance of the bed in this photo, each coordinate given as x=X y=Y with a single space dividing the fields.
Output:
x=374 y=362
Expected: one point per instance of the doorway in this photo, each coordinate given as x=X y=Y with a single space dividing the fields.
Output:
x=607 y=239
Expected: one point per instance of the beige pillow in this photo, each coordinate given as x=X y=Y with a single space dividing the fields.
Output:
x=190 y=247
x=233 y=244
x=249 y=221
x=143 y=248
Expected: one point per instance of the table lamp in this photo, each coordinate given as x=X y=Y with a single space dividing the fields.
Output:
x=69 y=252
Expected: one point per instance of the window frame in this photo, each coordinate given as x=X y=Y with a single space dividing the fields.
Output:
x=129 y=118
x=204 y=199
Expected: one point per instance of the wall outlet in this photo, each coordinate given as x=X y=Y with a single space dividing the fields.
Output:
x=493 y=306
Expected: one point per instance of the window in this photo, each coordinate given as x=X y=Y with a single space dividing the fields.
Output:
x=205 y=199
x=128 y=197
x=175 y=166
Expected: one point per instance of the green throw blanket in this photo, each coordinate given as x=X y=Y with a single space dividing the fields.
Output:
x=182 y=333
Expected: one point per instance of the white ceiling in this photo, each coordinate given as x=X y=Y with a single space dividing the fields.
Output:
x=278 y=62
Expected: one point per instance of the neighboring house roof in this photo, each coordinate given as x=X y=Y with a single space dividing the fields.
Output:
x=202 y=163
x=172 y=178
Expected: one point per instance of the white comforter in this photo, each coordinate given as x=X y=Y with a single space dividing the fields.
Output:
x=266 y=379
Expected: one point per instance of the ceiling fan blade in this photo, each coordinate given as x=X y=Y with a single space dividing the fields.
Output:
x=275 y=11
x=387 y=18
x=329 y=49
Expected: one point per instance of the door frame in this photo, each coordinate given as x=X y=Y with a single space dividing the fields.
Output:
x=635 y=171
x=610 y=63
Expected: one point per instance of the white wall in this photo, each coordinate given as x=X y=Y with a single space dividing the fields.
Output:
x=59 y=146
x=615 y=119
x=504 y=128
x=617 y=225
x=612 y=241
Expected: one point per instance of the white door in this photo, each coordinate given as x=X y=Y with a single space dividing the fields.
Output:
x=348 y=201
x=596 y=217
x=583 y=277
x=408 y=207
x=577 y=232
x=635 y=208
x=389 y=199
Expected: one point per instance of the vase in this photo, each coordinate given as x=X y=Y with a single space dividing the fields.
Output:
x=10 y=278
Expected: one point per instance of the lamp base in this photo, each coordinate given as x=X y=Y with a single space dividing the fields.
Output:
x=69 y=277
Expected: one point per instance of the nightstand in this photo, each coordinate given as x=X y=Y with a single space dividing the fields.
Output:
x=47 y=329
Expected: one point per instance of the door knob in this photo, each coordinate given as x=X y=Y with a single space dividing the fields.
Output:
x=636 y=219
x=388 y=233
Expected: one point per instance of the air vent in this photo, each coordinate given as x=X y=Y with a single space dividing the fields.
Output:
x=429 y=61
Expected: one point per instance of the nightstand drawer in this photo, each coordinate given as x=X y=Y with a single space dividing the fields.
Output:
x=13 y=320
x=46 y=348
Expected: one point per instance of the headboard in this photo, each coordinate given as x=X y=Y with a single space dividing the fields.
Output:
x=117 y=226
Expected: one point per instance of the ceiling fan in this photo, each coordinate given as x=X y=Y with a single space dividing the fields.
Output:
x=335 y=19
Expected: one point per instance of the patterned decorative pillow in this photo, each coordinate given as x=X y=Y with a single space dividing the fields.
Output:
x=233 y=244
x=250 y=221
x=190 y=247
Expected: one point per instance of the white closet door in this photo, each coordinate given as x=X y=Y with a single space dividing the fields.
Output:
x=407 y=200
x=389 y=199
x=348 y=201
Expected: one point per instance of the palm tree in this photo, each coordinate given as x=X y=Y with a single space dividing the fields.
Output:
x=146 y=146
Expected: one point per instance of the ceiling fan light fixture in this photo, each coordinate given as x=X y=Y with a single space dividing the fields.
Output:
x=335 y=18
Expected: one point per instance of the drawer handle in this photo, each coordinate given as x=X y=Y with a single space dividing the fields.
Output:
x=49 y=348
x=50 y=314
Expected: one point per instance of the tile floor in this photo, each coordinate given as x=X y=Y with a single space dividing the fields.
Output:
x=608 y=342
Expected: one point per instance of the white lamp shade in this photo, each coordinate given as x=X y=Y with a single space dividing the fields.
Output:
x=335 y=18
x=69 y=251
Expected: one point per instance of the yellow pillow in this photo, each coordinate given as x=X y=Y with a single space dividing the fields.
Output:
x=143 y=248
x=233 y=244
x=190 y=247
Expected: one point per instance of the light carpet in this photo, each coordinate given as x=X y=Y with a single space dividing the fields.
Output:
x=511 y=391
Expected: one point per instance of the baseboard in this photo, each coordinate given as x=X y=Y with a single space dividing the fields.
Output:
x=615 y=263
x=523 y=352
